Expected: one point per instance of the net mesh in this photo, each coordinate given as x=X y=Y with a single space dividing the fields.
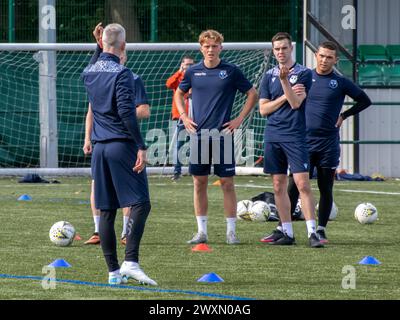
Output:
x=19 y=96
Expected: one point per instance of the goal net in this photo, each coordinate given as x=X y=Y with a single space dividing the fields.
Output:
x=19 y=95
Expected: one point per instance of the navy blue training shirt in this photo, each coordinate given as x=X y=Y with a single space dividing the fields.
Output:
x=111 y=91
x=285 y=124
x=325 y=101
x=213 y=92
x=140 y=92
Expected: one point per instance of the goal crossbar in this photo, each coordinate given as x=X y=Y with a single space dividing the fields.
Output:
x=129 y=46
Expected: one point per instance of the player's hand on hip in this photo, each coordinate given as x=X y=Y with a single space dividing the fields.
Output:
x=140 y=161
x=189 y=124
x=232 y=125
x=339 y=122
x=87 y=148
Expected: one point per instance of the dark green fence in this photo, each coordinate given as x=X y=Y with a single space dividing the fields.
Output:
x=158 y=20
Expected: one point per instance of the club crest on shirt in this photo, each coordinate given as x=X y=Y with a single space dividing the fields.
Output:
x=223 y=74
x=293 y=79
x=333 y=84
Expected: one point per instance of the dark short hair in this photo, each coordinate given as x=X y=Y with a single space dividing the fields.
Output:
x=329 y=45
x=187 y=56
x=281 y=36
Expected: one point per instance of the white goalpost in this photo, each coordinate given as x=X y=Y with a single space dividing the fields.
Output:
x=21 y=122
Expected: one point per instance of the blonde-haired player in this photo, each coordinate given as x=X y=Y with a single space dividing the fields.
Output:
x=214 y=83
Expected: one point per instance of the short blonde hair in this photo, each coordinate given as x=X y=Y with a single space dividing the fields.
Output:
x=113 y=35
x=210 y=34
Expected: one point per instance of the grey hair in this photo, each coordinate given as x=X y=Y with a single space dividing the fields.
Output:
x=113 y=35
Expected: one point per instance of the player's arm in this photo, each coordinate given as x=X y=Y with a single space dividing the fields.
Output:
x=269 y=106
x=174 y=80
x=180 y=104
x=294 y=99
x=125 y=89
x=143 y=111
x=251 y=101
x=87 y=146
x=142 y=102
x=97 y=33
x=362 y=102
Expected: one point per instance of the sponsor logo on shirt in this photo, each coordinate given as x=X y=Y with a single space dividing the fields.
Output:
x=273 y=79
x=293 y=79
x=305 y=165
x=200 y=74
x=223 y=74
x=333 y=84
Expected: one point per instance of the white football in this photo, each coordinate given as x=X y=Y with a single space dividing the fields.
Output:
x=260 y=211
x=366 y=213
x=334 y=211
x=243 y=208
x=62 y=233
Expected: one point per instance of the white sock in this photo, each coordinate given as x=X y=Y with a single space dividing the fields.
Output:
x=311 y=226
x=125 y=227
x=230 y=225
x=287 y=227
x=96 y=220
x=279 y=228
x=202 y=224
x=321 y=228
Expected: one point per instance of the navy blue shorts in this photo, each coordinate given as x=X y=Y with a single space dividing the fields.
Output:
x=205 y=152
x=278 y=156
x=116 y=185
x=324 y=153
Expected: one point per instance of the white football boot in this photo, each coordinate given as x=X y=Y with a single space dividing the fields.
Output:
x=132 y=270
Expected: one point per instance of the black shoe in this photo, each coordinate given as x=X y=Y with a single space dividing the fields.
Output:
x=176 y=177
x=285 y=240
x=321 y=235
x=275 y=235
x=314 y=241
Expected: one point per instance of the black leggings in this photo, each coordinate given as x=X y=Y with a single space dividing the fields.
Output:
x=325 y=180
x=108 y=240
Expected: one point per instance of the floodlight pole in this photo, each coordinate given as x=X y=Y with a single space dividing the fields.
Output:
x=47 y=86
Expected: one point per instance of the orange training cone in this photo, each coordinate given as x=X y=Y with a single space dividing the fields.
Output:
x=201 y=247
x=217 y=183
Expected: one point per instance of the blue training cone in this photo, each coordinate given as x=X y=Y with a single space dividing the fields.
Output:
x=25 y=197
x=59 y=263
x=210 y=277
x=369 y=260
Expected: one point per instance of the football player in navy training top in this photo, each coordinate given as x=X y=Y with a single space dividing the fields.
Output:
x=119 y=155
x=142 y=112
x=283 y=91
x=323 y=120
x=214 y=83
